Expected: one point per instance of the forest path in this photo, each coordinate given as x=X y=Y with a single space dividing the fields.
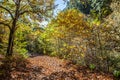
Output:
x=52 y=68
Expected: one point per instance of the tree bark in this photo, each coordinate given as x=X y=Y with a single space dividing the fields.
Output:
x=10 y=44
x=11 y=38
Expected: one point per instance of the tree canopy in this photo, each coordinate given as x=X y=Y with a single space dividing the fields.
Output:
x=97 y=8
x=22 y=11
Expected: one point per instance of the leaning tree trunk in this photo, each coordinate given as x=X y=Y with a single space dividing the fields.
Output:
x=10 y=44
x=11 y=39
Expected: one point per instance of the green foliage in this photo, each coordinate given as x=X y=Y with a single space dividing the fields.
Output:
x=20 y=42
x=96 y=8
x=92 y=66
x=100 y=8
x=81 y=5
x=46 y=40
x=116 y=73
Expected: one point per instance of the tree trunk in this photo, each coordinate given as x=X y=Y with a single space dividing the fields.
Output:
x=10 y=44
x=11 y=39
x=13 y=29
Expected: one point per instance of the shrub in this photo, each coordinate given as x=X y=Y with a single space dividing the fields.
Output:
x=92 y=67
x=116 y=73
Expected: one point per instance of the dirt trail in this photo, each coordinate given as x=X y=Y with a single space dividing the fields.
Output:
x=49 y=64
x=52 y=68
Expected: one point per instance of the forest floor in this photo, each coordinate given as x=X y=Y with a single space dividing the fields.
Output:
x=52 y=68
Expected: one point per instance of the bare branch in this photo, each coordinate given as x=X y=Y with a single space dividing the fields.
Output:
x=2 y=23
x=7 y=11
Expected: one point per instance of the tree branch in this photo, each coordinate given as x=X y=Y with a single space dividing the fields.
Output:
x=2 y=23
x=26 y=11
x=7 y=11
